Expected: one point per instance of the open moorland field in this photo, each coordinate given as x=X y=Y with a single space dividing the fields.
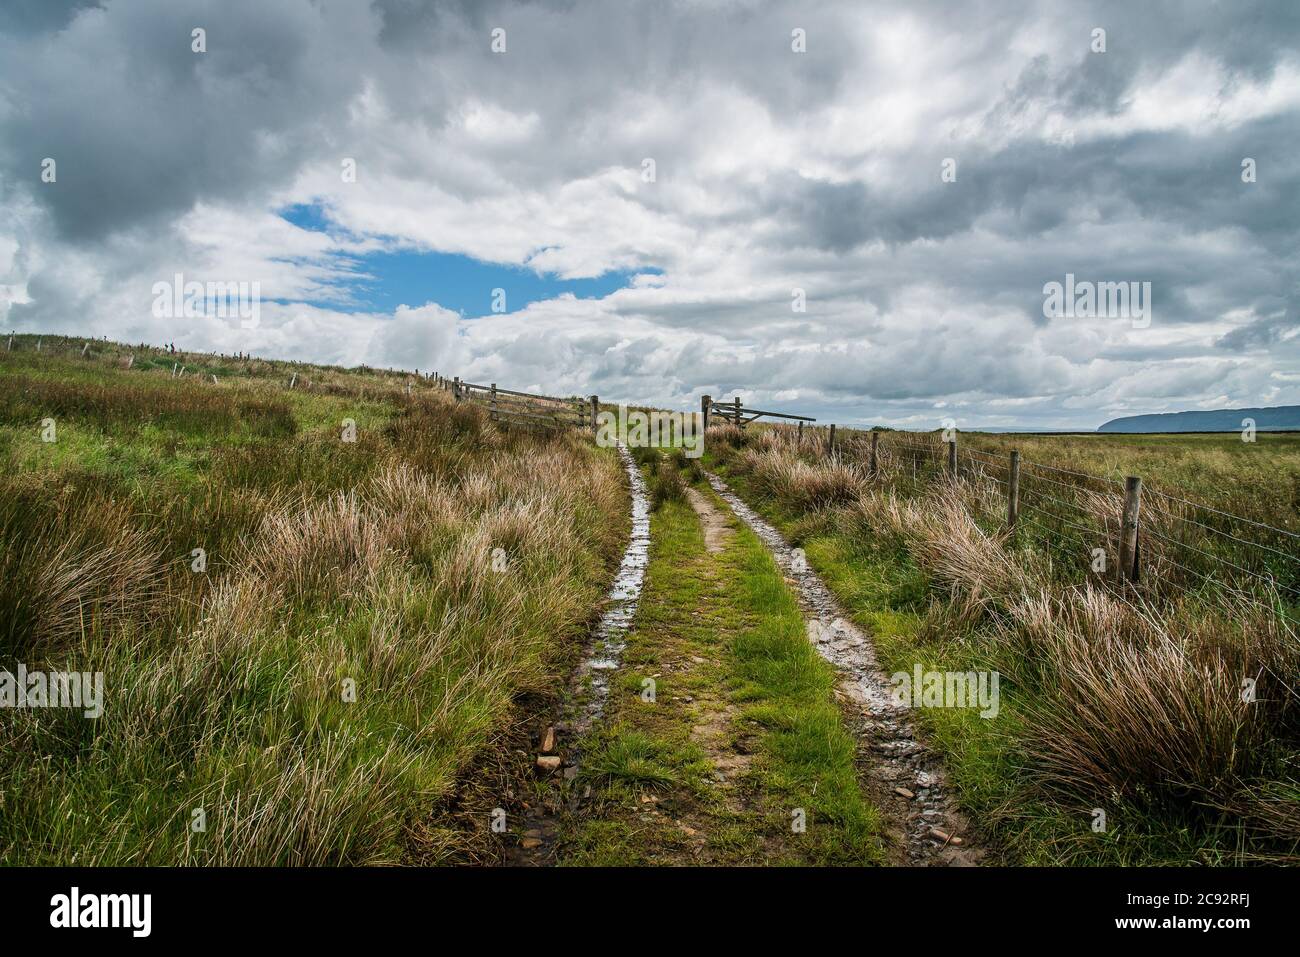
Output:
x=1258 y=480
x=335 y=677
x=337 y=623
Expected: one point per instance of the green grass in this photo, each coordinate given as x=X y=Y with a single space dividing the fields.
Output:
x=327 y=562
x=724 y=640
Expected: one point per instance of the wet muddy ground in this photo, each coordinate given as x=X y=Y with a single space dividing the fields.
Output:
x=590 y=684
x=588 y=687
x=906 y=779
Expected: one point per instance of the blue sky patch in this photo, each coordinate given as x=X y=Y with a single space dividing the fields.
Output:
x=463 y=284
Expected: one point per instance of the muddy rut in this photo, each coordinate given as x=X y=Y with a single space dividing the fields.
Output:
x=590 y=682
x=588 y=691
x=907 y=778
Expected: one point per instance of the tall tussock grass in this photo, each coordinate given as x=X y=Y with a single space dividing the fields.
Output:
x=1131 y=704
x=803 y=484
x=667 y=484
x=1158 y=702
x=943 y=535
x=69 y=559
x=369 y=619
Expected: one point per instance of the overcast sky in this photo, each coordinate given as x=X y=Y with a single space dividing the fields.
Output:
x=774 y=170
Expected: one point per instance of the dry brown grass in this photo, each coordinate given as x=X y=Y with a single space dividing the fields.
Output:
x=1128 y=705
x=73 y=564
x=806 y=485
x=371 y=563
x=942 y=534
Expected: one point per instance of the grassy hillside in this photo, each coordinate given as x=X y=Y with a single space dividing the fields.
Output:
x=344 y=654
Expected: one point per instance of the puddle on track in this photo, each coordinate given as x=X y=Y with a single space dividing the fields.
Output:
x=589 y=684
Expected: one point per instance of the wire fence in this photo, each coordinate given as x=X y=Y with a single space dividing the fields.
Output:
x=1178 y=543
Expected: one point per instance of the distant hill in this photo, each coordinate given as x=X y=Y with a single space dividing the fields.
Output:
x=1277 y=418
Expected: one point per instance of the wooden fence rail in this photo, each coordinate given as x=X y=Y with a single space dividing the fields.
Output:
x=531 y=410
x=736 y=414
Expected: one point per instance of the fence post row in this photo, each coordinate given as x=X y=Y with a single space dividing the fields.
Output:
x=1128 y=533
x=1013 y=490
x=1129 y=543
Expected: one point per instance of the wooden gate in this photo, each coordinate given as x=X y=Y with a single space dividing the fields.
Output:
x=526 y=409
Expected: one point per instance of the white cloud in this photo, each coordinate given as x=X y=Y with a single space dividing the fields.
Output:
x=774 y=170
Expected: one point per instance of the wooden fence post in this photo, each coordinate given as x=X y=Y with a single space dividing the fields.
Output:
x=875 y=452
x=706 y=402
x=492 y=404
x=738 y=425
x=1128 y=533
x=830 y=440
x=1013 y=490
x=801 y=435
x=455 y=388
x=952 y=457
x=595 y=411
